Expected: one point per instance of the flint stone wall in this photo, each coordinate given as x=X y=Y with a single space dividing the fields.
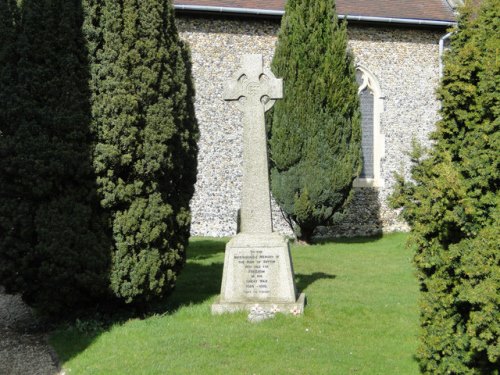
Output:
x=406 y=64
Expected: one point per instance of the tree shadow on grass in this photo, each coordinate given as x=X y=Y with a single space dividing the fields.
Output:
x=198 y=282
x=200 y=249
x=303 y=281
x=344 y=240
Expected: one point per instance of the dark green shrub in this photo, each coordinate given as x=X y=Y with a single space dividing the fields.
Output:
x=452 y=206
x=315 y=134
x=52 y=248
x=8 y=60
x=145 y=157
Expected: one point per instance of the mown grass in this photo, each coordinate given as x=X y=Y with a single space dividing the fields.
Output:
x=361 y=318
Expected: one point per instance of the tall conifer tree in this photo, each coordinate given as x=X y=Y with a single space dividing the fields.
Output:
x=146 y=151
x=453 y=206
x=9 y=27
x=52 y=248
x=315 y=134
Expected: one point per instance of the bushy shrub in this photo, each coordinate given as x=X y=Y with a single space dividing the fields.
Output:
x=98 y=151
x=146 y=131
x=452 y=206
x=53 y=249
x=315 y=134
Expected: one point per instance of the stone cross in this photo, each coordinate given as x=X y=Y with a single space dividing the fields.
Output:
x=257 y=264
x=254 y=90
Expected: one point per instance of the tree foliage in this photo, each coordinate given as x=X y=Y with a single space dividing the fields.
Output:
x=53 y=249
x=452 y=205
x=97 y=151
x=146 y=131
x=315 y=134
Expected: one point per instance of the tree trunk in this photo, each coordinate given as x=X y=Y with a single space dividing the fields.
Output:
x=305 y=236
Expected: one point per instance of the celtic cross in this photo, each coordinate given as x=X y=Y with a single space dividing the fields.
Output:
x=254 y=90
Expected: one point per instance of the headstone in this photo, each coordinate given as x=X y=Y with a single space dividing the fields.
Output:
x=258 y=268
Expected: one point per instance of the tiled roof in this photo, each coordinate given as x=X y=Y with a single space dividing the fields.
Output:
x=252 y=4
x=420 y=9
x=437 y=10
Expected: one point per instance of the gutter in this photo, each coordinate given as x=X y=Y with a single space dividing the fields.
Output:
x=280 y=13
x=399 y=21
x=229 y=10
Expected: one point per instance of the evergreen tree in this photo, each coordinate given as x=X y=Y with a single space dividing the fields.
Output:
x=52 y=248
x=9 y=19
x=9 y=22
x=315 y=133
x=146 y=131
x=452 y=206
x=8 y=60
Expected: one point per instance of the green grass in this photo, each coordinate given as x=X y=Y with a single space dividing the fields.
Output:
x=361 y=318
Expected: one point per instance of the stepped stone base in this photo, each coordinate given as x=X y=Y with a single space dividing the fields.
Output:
x=296 y=308
x=258 y=271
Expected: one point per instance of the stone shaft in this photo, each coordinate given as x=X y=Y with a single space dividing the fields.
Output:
x=255 y=91
x=257 y=265
x=255 y=199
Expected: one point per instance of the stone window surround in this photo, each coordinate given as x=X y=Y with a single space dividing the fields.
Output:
x=369 y=81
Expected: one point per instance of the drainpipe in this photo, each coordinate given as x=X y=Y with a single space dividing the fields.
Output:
x=441 y=52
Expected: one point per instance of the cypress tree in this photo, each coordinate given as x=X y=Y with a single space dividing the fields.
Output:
x=146 y=131
x=315 y=134
x=53 y=250
x=452 y=206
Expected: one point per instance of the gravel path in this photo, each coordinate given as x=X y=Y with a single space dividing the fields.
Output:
x=23 y=343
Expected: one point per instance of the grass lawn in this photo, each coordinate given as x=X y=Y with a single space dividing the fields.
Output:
x=361 y=318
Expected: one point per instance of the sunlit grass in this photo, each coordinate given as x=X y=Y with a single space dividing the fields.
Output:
x=361 y=318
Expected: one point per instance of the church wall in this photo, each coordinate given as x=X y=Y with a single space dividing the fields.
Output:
x=405 y=62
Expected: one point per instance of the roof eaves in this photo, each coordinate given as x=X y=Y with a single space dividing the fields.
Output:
x=400 y=21
x=228 y=10
x=279 y=13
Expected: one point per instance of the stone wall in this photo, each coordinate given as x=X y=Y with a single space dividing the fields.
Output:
x=404 y=61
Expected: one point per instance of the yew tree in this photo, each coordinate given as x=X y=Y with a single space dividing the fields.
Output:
x=53 y=241
x=453 y=206
x=146 y=132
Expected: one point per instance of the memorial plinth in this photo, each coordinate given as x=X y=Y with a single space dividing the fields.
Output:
x=257 y=265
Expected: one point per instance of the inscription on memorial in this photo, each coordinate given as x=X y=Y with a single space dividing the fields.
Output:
x=256 y=266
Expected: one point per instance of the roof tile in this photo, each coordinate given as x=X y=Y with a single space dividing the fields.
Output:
x=438 y=10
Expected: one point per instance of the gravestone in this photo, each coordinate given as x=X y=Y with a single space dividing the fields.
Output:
x=257 y=265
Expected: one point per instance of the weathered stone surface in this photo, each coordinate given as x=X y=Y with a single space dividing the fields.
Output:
x=257 y=265
x=258 y=271
x=257 y=268
x=254 y=90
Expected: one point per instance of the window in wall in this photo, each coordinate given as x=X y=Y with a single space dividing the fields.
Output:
x=372 y=141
